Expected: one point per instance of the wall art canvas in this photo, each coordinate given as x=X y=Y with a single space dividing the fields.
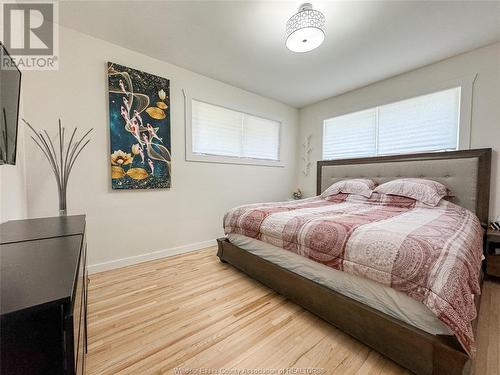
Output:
x=139 y=121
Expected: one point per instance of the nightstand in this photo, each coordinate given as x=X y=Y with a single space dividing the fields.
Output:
x=493 y=252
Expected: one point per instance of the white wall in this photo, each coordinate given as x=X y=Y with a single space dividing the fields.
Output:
x=13 y=198
x=130 y=223
x=485 y=107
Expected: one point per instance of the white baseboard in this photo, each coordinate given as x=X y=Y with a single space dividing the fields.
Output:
x=123 y=262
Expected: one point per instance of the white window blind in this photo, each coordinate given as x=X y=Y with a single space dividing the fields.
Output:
x=220 y=131
x=260 y=138
x=424 y=123
x=350 y=135
x=215 y=130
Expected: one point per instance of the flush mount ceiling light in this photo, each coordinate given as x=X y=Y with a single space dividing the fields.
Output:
x=305 y=30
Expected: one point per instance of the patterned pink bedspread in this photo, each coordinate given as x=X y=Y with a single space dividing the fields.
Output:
x=432 y=254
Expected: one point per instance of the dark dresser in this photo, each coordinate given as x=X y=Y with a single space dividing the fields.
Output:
x=43 y=296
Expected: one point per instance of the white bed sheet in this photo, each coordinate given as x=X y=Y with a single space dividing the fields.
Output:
x=380 y=297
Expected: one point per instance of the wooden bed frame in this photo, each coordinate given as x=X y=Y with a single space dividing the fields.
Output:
x=417 y=350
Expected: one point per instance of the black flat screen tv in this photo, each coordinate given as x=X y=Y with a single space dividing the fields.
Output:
x=10 y=90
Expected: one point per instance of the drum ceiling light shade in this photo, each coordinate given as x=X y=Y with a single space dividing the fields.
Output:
x=305 y=30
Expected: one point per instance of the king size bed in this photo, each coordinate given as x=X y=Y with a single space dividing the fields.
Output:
x=400 y=273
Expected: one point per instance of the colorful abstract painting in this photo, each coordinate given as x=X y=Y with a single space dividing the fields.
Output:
x=139 y=121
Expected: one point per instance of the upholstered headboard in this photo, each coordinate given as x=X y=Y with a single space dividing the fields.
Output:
x=465 y=172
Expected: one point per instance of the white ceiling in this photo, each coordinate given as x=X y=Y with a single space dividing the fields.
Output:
x=242 y=42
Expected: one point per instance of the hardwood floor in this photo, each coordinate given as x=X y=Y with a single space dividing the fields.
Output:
x=191 y=312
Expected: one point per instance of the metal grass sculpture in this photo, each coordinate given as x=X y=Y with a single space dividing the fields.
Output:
x=61 y=160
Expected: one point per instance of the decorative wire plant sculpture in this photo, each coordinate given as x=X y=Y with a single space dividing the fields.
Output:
x=62 y=160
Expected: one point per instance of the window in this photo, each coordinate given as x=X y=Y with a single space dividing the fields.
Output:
x=424 y=123
x=232 y=136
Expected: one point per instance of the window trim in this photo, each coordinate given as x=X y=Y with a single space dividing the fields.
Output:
x=466 y=84
x=220 y=159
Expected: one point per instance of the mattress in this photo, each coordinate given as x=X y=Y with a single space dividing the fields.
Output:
x=380 y=297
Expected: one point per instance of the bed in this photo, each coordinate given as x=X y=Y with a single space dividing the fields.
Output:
x=391 y=322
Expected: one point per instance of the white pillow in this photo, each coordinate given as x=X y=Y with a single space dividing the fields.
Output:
x=426 y=191
x=358 y=186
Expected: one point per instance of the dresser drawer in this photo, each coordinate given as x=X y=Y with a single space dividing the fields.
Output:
x=76 y=317
x=76 y=320
x=80 y=339
x=80 y=348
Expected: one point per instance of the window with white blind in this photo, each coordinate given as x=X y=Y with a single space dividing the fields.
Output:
x=220 y=134
x=424 y=123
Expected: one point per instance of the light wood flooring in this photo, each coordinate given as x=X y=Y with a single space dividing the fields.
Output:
x=193 y=313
